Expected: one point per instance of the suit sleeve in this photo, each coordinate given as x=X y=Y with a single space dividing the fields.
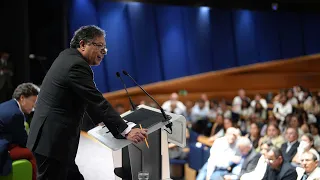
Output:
x=253 y=164
x=19 y=134
x=81 y=81
x=291 y=174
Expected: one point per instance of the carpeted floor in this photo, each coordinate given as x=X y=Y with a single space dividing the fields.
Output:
x=94 y=160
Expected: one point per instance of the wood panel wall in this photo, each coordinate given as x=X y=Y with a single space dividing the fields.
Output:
x=257 y=78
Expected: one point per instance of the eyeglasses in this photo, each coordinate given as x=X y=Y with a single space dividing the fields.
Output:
x=100 y=46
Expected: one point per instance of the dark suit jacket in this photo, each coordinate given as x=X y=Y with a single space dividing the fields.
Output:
x=287 y=172
x=67 y=91
x=12 y=131
x=287 y=157
x=12 y=123
x=250 y=162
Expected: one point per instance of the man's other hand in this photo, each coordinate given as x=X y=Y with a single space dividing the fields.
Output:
x=137 y=135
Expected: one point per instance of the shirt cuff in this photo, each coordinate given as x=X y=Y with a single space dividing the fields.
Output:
x=128 y=129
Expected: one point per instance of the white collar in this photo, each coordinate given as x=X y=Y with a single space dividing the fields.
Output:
x=292 y=143
x=18 y=105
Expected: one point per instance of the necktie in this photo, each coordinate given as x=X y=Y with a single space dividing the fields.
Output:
x=304 y=177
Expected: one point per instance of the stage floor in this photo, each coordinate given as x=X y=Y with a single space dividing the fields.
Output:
x=94 y=159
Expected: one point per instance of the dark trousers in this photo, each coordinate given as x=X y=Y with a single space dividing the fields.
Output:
x=51 y=169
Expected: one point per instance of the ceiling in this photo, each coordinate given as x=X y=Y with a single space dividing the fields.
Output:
x=280 y=5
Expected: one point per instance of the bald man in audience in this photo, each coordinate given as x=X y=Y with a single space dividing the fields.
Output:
x=309 y=169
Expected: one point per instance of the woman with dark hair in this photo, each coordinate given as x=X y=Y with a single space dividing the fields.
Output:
x=217 y=128
x=254 y=134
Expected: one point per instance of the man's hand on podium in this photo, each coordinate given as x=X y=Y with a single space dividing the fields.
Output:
x=137 y=135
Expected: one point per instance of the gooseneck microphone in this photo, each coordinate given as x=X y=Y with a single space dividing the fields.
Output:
x=166 y=117
x=125 y=87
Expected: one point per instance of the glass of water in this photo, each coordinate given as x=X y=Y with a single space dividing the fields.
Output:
x=143 y=175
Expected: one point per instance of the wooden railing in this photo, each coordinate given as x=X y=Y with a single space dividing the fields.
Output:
x=257 y=78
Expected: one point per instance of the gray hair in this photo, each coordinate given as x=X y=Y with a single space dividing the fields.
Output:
x=244 y=141
x=314 y=156
x=87 y=34
x=26 y=90
x=277 y=151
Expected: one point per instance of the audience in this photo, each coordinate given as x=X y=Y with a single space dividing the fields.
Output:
x=289 y=124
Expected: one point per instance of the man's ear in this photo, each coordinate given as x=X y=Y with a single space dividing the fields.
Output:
x=82 y=44
x=22 y=97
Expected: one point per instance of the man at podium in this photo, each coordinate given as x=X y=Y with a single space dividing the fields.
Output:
x=67 y=92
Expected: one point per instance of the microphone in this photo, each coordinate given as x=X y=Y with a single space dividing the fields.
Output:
x=125 y=87
x=39 y=58
x=166 y=117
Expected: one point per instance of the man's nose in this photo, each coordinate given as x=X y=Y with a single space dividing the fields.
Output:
x=104 y=51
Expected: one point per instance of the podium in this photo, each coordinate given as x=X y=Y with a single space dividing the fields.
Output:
x=130 y=158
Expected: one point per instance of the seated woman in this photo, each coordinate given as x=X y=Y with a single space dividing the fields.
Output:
x=12 y=120
x=306 y=144
x=273 y=134
x=217 y=128
x=254 y=134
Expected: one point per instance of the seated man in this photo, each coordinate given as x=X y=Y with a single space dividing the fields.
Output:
x=289 y=148
x=12 y=120
x=248 y=162
x=309 y=169
x=277 y=168
x=222 y=155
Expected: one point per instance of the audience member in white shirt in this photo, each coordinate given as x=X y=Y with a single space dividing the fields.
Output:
x=259 y=99
x=204 y=97
x=237 y=101
x=200 y=111
x=298 y=92
x=291 y=99
x=174 y=105
x=282 y=109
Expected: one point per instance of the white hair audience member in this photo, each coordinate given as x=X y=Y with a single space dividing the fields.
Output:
x=309 y=169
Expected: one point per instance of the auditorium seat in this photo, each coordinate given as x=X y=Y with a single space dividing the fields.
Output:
x=21 y=170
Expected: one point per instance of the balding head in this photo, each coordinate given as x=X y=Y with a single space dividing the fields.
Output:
x=174 y=97
x=244 y=144
x=242 y=93
x=232 y=134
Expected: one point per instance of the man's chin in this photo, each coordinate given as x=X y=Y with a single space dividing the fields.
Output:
x=96 y=63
